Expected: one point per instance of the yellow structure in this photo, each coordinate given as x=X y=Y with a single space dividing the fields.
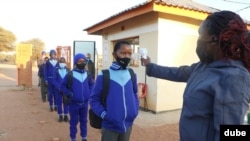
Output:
x=169 y=30
x=24 y=65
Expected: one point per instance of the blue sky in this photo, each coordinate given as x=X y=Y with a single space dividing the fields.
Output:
x=60 y=22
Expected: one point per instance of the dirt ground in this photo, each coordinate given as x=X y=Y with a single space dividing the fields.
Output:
x=24 y=117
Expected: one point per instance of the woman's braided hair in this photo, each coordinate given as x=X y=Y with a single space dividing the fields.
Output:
x=232 y=35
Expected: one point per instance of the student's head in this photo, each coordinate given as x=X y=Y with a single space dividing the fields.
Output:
x=88 y=56
x=62 y=62
x=43 y=53
x=223 y=35
x=80 y=61
x=46 y=58
x=122 y=53
x=52 y=54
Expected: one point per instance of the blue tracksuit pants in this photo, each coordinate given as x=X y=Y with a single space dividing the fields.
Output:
x=78 y=113
x=62 y=109
x=52 y=94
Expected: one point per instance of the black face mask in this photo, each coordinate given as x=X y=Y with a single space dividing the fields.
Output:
x=81 y=66
x=202 y=53
x=123 y=62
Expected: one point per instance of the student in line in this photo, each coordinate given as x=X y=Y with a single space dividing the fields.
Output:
x=43 y=87
x=49 y=69
x=122 y=103
x=79 y=93
x=60 y=73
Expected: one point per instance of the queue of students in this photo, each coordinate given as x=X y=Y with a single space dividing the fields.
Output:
x=217 y=91
x=82 y=85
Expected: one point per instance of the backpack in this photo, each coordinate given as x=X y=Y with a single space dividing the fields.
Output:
x=67 y=99
x=95 y=120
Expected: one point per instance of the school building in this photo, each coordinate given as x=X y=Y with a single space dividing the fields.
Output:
x=168 y=30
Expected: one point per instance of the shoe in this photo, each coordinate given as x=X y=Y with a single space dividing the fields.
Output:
x=55 y=109
x=51 y=109
x=66 y=119
x=60 y=119
x=84 y=139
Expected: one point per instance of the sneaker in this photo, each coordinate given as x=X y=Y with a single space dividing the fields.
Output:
x=84 y=139
x=55 y=109
x=51 y=109
x=66 y=119
x=60 y=119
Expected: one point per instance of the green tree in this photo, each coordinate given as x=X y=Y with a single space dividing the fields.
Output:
x=37 y=47
x=7 y=40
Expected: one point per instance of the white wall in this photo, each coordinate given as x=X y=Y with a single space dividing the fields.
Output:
x=169 y=43
x=176 y=47
x=132 y=28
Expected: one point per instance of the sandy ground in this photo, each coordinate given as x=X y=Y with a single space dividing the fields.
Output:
x=24 y=117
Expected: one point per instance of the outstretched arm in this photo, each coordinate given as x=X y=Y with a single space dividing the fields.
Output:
x=178 y=74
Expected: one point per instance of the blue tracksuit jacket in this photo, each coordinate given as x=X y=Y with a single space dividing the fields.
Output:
x=217 y=93
x=81 y=86
x=59 y=74
x=122 y=103
x=49 y=70
x=80 y=90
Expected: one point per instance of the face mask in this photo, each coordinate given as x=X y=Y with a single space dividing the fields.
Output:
x=123 y=62
x=81 y=66
x=202 y=53
x=62 y=65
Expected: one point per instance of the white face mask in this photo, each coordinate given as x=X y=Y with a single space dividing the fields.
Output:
x=62 y=65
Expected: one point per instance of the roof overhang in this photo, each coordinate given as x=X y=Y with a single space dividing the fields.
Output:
x=177 y=9
x=144 y=8
x=122 y=16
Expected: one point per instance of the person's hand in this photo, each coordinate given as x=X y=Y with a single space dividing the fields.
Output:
x=145 y=62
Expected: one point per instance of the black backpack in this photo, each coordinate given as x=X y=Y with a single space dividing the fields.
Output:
x=95 y=120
